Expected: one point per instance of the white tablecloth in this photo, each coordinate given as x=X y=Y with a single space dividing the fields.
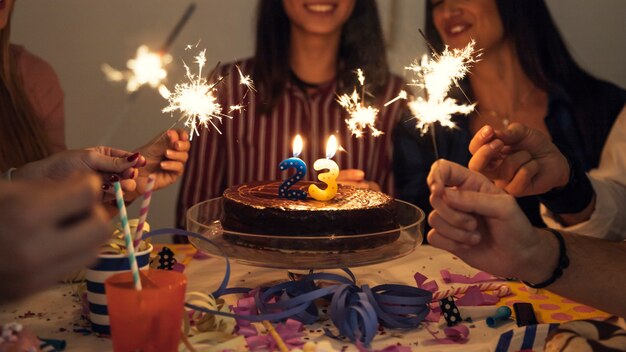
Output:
x=55 y=311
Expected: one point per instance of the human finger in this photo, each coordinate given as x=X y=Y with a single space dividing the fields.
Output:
x=514 y=133
x=487 y=158
x=485 y=204
x=481 y=138
x=452 y=232
x=354 y=175
x=444 y=173
x=522 y=182
x=438 y=240
x=362 y=185
x=457 y=218
x=176 y=155
x=172 y=166
x=512 y=164
x=128 y=185
x=98 y=161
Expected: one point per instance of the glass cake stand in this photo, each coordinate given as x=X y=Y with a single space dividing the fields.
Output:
x=311 y=252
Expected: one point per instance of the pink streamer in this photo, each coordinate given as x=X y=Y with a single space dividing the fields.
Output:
x=500 y=289
x=145 y=207
x=473 y=297
x=481 y=276
x=421 y=283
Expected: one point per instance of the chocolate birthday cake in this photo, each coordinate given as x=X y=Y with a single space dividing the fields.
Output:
x=340 y=223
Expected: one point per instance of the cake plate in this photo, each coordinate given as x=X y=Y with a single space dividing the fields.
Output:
x=204 y=218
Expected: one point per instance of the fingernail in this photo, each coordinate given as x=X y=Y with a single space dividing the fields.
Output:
x=144 y=163
x=133 y=157
x=486 y=131
x=114 y=178
x=135 y=172
x=474 y=238
x=496 y=144
x=178 y=145
x=105 y=187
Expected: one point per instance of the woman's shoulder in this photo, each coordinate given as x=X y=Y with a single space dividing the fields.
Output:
x=38 y=76
x=31 y=65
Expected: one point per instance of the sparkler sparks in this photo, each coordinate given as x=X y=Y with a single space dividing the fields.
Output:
x=146 y=68
x=436 y=76
x=361 y=116
x=196 y=99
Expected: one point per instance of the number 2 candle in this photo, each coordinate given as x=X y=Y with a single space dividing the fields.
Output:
x=284 y=190
x=330 y=177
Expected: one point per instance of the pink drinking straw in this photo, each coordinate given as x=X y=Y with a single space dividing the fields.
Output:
x=145 y=207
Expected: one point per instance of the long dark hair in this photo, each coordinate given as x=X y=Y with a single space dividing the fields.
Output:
x=22 y=138
x=545 y=59
x=362 y=46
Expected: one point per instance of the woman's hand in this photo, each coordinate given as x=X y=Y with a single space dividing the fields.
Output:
x=165 y=157
x=112 y=165
x=521 y=160
x=356 y=178
x=49 y=228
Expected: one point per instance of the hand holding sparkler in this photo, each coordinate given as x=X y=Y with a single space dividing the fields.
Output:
x=165 y=158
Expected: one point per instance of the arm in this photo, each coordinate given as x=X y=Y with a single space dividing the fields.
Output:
x=483 y=226
x=49 y=228
x=607 y=216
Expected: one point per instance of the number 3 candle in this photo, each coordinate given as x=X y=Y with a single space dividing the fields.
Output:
x=330 y=177
x=296 y=163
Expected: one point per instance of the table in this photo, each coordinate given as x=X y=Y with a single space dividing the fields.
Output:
x=55 y=313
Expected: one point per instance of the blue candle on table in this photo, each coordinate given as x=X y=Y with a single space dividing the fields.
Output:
x=285 y=191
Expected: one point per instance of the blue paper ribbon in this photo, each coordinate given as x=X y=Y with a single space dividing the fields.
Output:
x=355 y=311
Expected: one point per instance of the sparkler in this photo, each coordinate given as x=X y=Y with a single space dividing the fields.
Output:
x=147 y=68
x=196 y=99
x=361 y=116
x=436 y=76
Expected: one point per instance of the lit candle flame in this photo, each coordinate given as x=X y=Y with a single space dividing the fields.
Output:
x=196 y=99
x=146 y=68
x=331 y=146
x=436 y=76
x=361 y=116
x=297 y=146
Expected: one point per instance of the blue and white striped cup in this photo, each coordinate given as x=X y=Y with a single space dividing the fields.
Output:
x=107 y=265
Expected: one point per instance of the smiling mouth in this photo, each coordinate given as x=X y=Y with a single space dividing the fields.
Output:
x=316 y=8
x=457 y=29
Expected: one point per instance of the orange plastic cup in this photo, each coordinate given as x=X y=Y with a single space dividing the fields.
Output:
x=147 y=320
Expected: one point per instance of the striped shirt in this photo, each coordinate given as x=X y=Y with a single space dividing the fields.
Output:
x=251 y=145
